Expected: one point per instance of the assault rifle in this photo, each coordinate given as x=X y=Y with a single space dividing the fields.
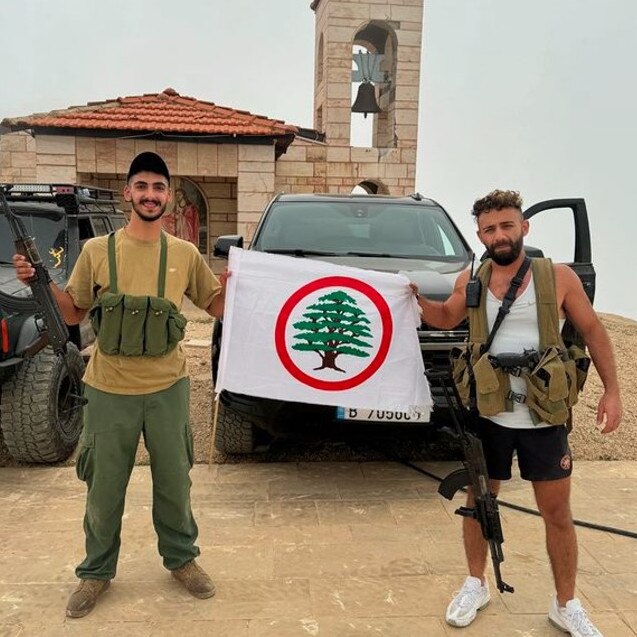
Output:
x=56 y=332
x=473 y=474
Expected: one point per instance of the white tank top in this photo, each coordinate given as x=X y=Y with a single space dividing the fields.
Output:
x=518 y=331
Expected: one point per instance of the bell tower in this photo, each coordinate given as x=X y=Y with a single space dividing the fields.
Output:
x=367 y=56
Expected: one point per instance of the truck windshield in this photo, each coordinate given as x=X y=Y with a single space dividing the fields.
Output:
x=49 y=230
x=380 y=228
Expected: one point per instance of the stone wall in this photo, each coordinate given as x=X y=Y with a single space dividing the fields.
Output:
x=17 y=158
x=315 y=167
x=236 y=180
x=255 y=186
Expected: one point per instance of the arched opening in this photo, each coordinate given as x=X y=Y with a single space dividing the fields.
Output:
x=361 y=126
x=187 y=215
x=379 y=69
x=370 y=187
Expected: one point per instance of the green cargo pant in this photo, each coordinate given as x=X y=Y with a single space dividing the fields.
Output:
x=112 y=426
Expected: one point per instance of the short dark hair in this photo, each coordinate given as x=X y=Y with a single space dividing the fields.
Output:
x=148 y=161
x=497 y=200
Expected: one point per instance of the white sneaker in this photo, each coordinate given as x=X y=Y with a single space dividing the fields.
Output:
x=471 y=598
x=572 y=619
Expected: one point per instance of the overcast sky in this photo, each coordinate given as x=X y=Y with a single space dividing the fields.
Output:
x=537 y=96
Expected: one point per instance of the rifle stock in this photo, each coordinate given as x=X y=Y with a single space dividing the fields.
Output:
x=474 y=474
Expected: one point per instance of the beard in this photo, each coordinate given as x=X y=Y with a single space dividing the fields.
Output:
x=506 y=257
x=144 y=216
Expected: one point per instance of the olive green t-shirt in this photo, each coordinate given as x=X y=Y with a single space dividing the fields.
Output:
x=187 y=273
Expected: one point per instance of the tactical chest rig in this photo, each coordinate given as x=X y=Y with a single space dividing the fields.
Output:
x=128 y=325
x=553 y=375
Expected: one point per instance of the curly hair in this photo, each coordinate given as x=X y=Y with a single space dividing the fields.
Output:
x=497 y=200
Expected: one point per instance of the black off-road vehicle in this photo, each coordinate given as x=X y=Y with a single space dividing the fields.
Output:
x=413 y=235
x=37 y=418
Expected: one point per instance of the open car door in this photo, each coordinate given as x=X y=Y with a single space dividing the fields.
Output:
x=581 y=262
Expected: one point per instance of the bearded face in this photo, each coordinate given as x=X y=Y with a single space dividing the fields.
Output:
x=149 y=209
x=149 y=195
x=502 y=233
x=506 y=251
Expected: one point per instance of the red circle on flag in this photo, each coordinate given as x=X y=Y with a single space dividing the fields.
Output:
x=295 y=299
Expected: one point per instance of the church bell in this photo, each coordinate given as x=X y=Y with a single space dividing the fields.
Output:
x=365 y=101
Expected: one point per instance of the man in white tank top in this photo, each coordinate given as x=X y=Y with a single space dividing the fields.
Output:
x=542 y=450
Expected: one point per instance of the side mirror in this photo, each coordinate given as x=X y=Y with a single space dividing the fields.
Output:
x=225 y=242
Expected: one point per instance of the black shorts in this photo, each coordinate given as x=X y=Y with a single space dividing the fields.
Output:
x=543 y=454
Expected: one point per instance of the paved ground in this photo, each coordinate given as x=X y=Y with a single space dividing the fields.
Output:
x=309 y=549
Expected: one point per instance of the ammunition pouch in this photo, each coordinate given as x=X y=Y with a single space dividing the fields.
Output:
x=553 y=376
x=461 y=373
x=129 y=325
x=553 y=380
x=473 y=372
x=553 y=386
x=106 y=320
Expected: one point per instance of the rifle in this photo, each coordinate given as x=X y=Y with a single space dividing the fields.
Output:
x=473 y=474
x=56 y=332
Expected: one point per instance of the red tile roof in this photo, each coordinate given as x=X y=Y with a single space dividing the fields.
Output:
x=166 y=112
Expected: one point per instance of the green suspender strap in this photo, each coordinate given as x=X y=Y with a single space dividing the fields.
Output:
x=547 y=314
x=129 y=325
x=161 y=281
x=164 y=326
x=488 y=399
x=553 y=385
x=112 y=264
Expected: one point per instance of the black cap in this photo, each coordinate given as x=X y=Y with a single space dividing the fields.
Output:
x=148 y=161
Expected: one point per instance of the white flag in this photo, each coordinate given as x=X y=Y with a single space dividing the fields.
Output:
x=308 y=331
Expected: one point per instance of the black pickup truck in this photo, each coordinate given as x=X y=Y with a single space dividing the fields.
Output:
x=413 y=235
x=36 y=420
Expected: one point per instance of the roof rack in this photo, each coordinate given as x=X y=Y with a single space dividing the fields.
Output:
x=37 y=192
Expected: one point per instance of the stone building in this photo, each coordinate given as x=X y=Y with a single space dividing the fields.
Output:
x=232 y=162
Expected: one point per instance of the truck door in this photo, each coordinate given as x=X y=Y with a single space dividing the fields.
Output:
x=573 y=213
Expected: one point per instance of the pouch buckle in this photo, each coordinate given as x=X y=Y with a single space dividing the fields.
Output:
x=520 y=399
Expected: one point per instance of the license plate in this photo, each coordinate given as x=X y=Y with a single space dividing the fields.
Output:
x=380 y=415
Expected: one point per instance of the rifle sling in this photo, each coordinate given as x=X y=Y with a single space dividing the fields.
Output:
x=507 y=301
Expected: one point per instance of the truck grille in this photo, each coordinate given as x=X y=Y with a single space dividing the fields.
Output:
x=437 y=344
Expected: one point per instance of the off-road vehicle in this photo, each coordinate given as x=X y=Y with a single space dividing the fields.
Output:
x=413 y=235
x=38 y=420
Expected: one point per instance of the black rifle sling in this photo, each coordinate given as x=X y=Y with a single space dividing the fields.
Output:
x=507 y=302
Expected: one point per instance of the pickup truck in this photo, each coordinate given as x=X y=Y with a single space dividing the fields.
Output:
x=413 y=235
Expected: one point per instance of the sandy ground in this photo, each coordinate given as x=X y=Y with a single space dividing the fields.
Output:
x=586 y=441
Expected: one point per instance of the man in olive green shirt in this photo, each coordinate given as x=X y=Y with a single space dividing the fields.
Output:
x=133 y=395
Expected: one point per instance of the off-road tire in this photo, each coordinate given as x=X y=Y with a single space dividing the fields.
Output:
x=35 y=425
x=12 y=303
x=234 y=433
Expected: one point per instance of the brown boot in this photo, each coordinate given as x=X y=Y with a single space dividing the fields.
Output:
x=84 y=597
x=195 y=580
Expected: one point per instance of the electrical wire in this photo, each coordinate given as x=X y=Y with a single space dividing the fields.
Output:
x=518 y=507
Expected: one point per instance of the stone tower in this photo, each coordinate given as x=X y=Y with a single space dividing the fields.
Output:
x=391 y=29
